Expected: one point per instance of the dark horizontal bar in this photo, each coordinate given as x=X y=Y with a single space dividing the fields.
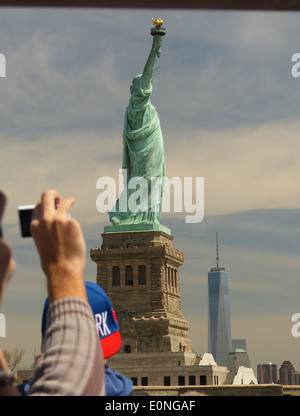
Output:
x=266 y=5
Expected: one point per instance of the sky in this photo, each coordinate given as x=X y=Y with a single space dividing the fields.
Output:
x=229 y=110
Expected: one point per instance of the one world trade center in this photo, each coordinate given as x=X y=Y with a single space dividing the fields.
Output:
x=219 y=326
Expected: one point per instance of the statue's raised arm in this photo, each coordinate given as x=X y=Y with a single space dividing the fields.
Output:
x=149 y=67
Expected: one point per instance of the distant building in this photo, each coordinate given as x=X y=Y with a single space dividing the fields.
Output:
x=207 y=359
x=288 y=374
x=239 y=343
x=241 y=376
x=237 y=358
x=219 y=325
x=267 y=373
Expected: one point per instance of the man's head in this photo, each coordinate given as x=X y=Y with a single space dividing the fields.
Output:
x=105 y=319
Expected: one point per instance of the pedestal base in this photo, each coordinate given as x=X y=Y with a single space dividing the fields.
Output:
x=139 y=272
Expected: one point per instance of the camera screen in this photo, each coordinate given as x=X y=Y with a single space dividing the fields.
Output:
x=25 y=215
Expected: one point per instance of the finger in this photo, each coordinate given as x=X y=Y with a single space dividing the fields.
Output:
x=36 y=214
x=5 y=256
x=2 y=204
x=49 y=201
x=7 y=267
x=2 y=208
x=65 y=205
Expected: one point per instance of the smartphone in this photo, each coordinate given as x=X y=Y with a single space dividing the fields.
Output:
x=25 y=216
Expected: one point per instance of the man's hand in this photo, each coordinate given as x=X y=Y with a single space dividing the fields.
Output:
x=7 y=264
x=60 y=244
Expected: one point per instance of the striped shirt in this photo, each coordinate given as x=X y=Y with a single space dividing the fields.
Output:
x=71 y=363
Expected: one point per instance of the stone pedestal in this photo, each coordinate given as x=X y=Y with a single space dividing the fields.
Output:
x=139 y=272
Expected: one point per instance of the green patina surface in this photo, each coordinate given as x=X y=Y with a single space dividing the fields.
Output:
x=136 y=227
x=143 y=155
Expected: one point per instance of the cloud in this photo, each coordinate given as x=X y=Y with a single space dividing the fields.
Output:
x=244 y=168
x=68 y=162
x=74 y=68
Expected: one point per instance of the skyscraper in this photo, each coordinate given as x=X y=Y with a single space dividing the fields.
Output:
x=287 y=373
x=267 y=373
x=219 y=325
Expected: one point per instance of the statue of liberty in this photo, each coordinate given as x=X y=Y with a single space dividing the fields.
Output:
x=143 y=148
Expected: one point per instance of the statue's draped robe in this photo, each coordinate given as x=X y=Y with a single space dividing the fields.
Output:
x=143 y=156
